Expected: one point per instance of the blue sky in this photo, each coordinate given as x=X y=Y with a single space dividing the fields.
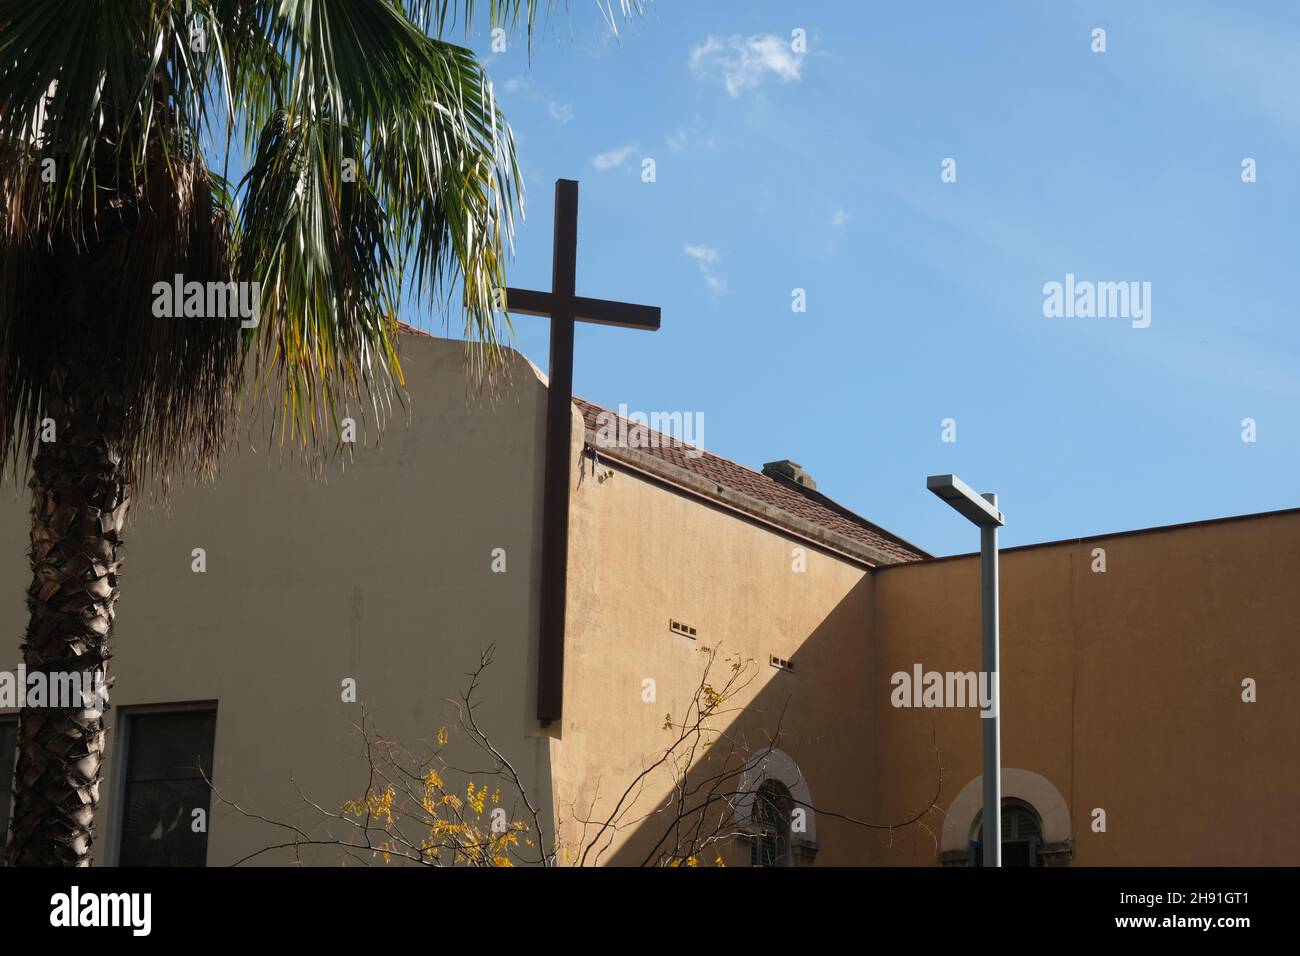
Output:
x=776 y=170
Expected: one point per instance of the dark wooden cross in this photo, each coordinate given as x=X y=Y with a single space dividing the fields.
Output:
x=564 y=307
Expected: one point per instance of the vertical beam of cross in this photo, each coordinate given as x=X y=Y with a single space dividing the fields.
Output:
x=564 y=307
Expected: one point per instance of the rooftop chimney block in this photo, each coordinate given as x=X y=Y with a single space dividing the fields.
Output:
x=791 y=471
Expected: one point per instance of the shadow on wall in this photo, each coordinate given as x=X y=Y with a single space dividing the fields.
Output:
x=813 y=731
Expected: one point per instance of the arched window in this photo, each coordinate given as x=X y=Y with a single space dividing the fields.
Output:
x=1022 y=836
x=774 y=811
x=1046 y=817
x=770 y=843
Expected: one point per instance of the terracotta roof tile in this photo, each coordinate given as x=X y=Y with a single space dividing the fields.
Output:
x=809 y=505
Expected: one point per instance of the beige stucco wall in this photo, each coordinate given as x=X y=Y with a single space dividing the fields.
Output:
x=379 y=572
x=642 y=554
x=1123 y=689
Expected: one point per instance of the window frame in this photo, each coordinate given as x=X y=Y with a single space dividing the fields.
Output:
x=975 y=845
x=9 y=719
x=775 y=834
x=121 y=757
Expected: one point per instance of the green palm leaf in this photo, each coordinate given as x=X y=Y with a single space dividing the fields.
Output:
x=378 y=164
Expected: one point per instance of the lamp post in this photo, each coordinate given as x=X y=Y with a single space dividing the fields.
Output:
x=982 y=510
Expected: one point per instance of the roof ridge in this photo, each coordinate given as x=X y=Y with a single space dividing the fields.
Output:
x=677 y=443
x=848 y=513
x=412 y=330
x=819 y=509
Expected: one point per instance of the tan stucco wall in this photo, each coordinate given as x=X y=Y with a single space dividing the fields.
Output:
x=641 y=555
x=380 y=573
x=1120 y=690
x=1123 y=689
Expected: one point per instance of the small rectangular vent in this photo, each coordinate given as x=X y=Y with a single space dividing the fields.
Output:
x=685 y=630
x=781 y=663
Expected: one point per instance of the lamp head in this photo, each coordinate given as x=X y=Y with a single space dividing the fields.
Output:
x=979 y=509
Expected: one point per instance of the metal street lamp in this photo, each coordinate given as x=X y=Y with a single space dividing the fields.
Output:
x=982 y=510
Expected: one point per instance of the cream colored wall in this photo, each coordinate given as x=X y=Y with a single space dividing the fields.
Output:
x=382 y=574
x=1122 y=688
x=641 y=555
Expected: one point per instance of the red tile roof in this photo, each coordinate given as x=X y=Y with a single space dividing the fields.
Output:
x=789 y=499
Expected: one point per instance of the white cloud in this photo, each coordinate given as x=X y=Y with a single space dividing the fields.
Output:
x=705 y=257
x=839 y=217
x=744 y=61
x=612 y=159
x=693 y=136
x=523 y=86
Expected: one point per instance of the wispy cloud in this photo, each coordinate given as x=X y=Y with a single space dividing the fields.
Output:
x=706 y=257
x=517 y=83
x=839 y=217
x=705 y=254
x=611 y=159
x=523 y=85
x=694 y=135
x=743 y=62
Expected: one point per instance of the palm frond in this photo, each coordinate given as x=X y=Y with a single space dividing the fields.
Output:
x=318 y=247
x=388 y=164
x=105 y=190
x=379 y=166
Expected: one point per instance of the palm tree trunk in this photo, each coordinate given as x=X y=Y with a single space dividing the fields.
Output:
x=80 y=496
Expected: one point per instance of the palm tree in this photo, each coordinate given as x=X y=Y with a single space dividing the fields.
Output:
x=377 y=164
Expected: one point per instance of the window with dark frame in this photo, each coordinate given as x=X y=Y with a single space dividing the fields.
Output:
x=8 y=744
x=168 y=766
x=770 y=840
x=1022 y=837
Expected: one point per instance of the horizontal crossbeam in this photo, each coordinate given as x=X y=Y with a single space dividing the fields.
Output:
x=596 y=311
